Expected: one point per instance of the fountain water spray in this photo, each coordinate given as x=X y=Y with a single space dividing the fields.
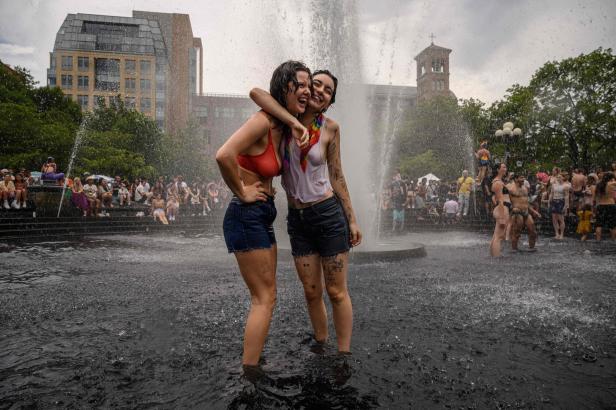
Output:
x=78 y=141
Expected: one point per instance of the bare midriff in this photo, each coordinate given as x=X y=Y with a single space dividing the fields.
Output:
x=249 y=178
x=297 y=204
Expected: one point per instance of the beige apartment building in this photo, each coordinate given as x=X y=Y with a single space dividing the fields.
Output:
x=148 y=60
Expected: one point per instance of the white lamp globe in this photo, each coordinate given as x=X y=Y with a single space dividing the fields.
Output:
x=517 y=132
x=508 y=125
x=507 y=132
x=498 y=133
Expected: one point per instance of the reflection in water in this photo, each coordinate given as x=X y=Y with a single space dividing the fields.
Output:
x=156 y=321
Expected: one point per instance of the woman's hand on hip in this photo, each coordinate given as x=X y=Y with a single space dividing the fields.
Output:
x=253 y=193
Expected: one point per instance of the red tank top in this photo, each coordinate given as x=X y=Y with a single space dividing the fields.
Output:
x=265 y=164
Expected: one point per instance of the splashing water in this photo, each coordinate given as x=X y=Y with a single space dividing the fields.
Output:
x=78 y=141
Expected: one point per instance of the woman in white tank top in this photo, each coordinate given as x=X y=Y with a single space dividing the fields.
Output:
x=321 y=221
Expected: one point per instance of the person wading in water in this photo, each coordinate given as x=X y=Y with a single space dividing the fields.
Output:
x=521 y=213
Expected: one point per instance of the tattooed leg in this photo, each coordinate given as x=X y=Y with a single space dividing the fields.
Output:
x=335 y=272
x=309 y=271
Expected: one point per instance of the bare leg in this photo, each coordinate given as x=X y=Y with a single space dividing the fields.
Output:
x=309 y=272
x=497 y=237
x=532 y=232
x=258 y=268
x=561 y=226
x=517 y=224
x=598 y=233
x=555 y=224
x=335 y=271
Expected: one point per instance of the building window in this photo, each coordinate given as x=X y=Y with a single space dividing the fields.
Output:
x=68 y=97
x=83 y=63
x=67 y=63
x=437 y=65
x=114 y=101
x=130 y=84
x=423 y=69
x=130 y=66
x=82 y=100
x=67 y=81
x=146 y=104
x=51 y=81
x=99 y=101
x=145 y=67
x=201 y=111
x=83 y=82
x=107 y=76
x=129 y=102
x=144 y=85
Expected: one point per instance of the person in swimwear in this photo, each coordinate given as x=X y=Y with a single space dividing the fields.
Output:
x=559 y=204
x=521 y=213
x=321 y=222
x=49 y=171
x=158 y=208
x=500 y=212
x=248 y=162
x=483 y=161
x=606 y=205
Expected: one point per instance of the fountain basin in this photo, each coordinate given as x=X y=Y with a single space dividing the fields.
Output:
x=383 y=251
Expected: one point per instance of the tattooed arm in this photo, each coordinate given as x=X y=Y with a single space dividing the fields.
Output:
x=336 y=177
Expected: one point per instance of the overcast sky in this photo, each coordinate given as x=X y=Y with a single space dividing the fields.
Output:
x=495 y=43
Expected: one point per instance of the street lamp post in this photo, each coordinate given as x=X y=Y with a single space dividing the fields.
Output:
x=508 y=134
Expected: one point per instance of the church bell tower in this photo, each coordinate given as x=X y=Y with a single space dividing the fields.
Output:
x=433 y=72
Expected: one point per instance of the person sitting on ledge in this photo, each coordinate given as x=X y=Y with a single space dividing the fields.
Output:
x=7 y=192
x=78 y=196
x=49 y=171
x=105 y=193
x=450 y=209
x=123 y=194
x=158 y=209
x=91 y=191
x=21 y=191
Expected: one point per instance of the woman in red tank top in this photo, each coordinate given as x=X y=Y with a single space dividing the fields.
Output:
x=248 y=162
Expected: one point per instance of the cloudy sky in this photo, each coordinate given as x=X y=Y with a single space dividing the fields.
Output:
x=495 y=43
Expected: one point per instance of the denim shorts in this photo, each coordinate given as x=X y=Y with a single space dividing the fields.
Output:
x=557 y=206
x=319 y=229
x=249 y=226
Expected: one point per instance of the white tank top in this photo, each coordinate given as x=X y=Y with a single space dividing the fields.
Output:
x=309 y=185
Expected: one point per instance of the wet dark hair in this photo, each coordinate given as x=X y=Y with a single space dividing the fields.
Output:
x=495 y=168
x=334 y=79
x=602 y=185
x=283 y=74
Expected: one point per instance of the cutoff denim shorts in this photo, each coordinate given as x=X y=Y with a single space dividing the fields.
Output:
x=249 y=226
x=319 y=229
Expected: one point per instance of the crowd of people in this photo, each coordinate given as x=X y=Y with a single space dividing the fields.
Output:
x=573 y=201
x=164 y=200
x=405 y=201
x=14 y=189
x=95 y=195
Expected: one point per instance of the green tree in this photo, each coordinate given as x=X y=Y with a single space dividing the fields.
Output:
x=435 y=129
x=34 y=122
x=567 y=113
x=575 y=107
x=187 y=154
x=120 y=141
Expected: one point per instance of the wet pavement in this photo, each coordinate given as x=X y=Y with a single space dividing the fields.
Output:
x=156 y=322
